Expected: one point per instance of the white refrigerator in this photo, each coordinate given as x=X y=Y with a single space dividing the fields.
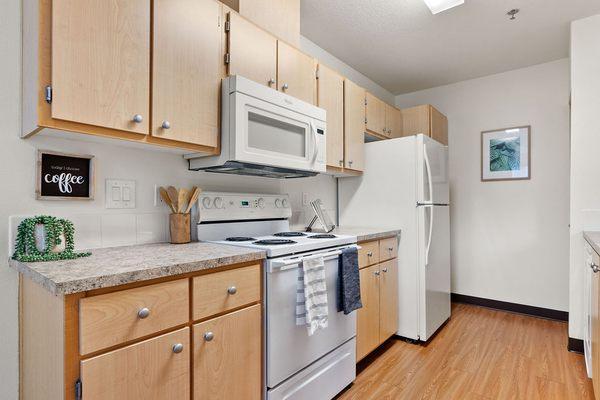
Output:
x=405 y=185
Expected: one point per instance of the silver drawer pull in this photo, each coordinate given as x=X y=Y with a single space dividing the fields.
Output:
x=137 y=118
x=177 y=348
x=143 y=313
x=390 y=249
x=377 y=273
x=370 y=254
x=285 y=86
x=384 y=270
x=594 y=267
x=166 y=125
x=208 y=336
x=232 y=290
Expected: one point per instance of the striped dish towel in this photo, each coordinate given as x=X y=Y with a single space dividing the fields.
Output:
x=311 y=295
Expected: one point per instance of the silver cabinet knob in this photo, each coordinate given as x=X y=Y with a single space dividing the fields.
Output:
x=232 y=290
x=166 y=125
x=177 y=348
x=370 y=254
x=143 y=313
x=594 y=267
x=137 y=118
x=341 y=162
x=390 y=249
x=208 y=336
x=271 y=81
x=285 y=86
x=384 y=270
x=377 y=273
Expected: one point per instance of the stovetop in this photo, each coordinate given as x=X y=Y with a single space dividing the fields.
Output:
x=280 y=245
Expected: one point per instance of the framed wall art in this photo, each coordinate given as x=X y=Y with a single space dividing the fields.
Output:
x=62 y=176
x=506 y=154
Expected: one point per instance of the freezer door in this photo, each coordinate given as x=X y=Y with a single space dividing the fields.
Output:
x=434 y=268
x=432 y=171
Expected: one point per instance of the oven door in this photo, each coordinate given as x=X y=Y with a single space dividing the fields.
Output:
x=269 y=134
x=289 y=348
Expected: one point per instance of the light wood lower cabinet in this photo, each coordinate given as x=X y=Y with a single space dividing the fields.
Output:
x=377 y=320
x=227 y=356
x=144 y=342
x=155 y=369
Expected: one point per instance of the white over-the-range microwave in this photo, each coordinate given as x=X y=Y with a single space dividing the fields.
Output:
x=266 y=133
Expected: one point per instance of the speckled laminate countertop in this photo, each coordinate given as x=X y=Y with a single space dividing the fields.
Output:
x=593 y=238
x=121 y=265
x=364 y=234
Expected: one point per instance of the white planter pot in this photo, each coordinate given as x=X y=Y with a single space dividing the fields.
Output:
x=40 y=240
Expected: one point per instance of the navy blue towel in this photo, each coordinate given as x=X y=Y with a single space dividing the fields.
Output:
x=349 y=281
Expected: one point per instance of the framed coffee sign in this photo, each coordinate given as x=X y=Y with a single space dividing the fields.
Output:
x=63 y=176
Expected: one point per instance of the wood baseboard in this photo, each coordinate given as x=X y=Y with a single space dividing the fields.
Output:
x=512 y=307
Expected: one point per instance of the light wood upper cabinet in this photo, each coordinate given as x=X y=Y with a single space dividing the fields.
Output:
x=330 y=96
x=227 y=356
x=279 y=17
x=101 y=63
x=155 y=369
x=388 y=299
x=296 y=73
x=393 y=121
x=427 y=120
x=252 y=51
x=354 y=126
x=187 y=70
x=375 y=109
x=367 y=318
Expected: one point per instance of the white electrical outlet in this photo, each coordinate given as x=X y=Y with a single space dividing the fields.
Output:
x=305 y=198
x=120 y=193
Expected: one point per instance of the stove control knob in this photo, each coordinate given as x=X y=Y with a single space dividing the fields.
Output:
x=218 y=202
x=285 y=203
x=277 y=203
x=261 y=203
x=206 y=202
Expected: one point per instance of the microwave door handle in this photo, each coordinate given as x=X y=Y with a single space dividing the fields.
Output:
x=315 y=145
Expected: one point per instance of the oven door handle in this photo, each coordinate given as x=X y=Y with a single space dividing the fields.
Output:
x=282 y=265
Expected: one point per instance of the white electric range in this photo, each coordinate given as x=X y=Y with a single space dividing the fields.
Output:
x=298 y=367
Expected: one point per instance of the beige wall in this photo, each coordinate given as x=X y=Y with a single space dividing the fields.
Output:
x=509 y=240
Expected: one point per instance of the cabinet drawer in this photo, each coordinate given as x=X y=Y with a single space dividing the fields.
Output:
x=368 y=254
x=227 y=356
x=223 y=291
x=114 y=318
x=388 y=248
x=155 y=369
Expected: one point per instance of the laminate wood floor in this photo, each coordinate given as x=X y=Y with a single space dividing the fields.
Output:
x=479 y=354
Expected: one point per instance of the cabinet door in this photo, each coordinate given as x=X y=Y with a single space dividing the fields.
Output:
x=281 y=18
x=101 y=63
x=296 y=73
x=595 y=336
x=252 y=51
x=354 y=126
x=416 y=120
x=388 y=300
x=187 y=71
x=376 y=115
x=228 y=356
x=367 y=322
x=330 y=96
x=150 y=370
x=439 y=126
x=393 y=123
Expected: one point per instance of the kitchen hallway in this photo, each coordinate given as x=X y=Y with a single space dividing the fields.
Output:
x=480 y=354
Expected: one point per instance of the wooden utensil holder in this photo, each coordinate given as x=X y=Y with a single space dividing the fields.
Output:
x=179 y=226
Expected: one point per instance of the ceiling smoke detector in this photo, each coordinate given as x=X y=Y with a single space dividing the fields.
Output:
x=512 y=13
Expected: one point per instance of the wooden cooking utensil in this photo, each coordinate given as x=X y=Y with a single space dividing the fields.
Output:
x=182 y=196
x=174 y=196
x=195 y=193
x=165 y=196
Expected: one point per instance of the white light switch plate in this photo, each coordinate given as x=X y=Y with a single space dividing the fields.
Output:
x=120 y=193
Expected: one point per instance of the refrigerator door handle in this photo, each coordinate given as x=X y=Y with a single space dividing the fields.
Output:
x=428 y=168
x=428 y=247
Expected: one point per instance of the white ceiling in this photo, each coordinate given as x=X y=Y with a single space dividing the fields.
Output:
x=403 y=47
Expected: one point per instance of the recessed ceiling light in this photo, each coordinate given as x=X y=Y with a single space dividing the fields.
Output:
x=437 y=6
